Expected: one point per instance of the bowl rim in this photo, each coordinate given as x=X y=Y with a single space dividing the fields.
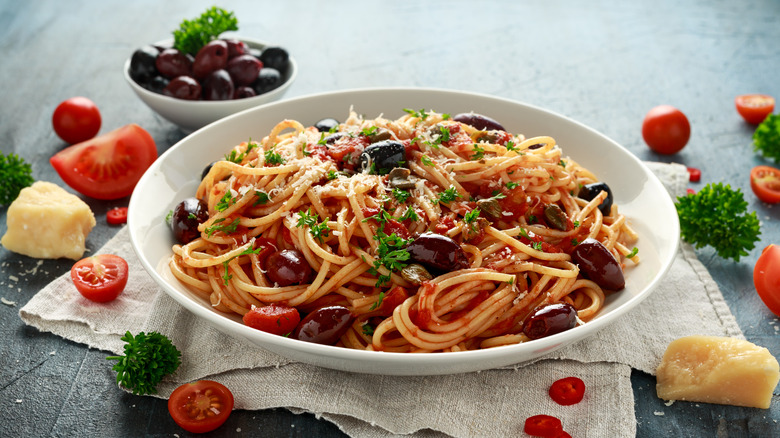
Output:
x=254 y=43
x=333 y=356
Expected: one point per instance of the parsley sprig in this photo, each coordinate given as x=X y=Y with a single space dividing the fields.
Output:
x=717 y=216
x=147 y=359
x=15 y=174
x=766 y=138
x=196 y=33
x=391 y=249
x=318 y=230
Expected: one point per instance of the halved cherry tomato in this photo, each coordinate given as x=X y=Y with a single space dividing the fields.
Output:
x=117 y=216
x=766 y=277
x=666 y=129
x=76 y=119
x=273 y=318
x=567 y=391
x=765 y=182
x=543 y=425
x=754 y=107
x=100 y=278
x=201 y=406
x=107 y=166
x=694 y=174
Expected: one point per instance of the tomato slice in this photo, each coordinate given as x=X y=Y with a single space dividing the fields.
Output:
x=273 y=318
x=765 y=182
x=754 y=107
x=766 y=277
x=107 y=166
x=543 y=425
x=567 y=391
x=201 y=406
x=100 y=278
x=117 y=216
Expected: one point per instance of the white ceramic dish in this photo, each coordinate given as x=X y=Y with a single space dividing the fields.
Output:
x=639 y=194
x=193 y=115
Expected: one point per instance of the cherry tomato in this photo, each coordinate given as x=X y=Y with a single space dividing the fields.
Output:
x=76 y=119
x=567 y=391
x=273 y=318
x=766 y=277
x=694 y=174
x=754 y=107
x=100 y=278
x=765 y=182
x=201 y=406
x=666 y=129
x=107 y=166
x=117 y=216
x=543 y=425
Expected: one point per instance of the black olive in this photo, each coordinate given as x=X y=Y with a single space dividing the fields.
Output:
x=276 y=58
x=288 y=267
x=382 y=157
x=157 y=84
x=207 y=169
x=478 y=121
x=590 y=191
x=598 y=264
x=325 y=325
x=326 y=125
x=267 y=80
x=438 y=252
x=142 y=64
x=330 y=139
x=186 y=217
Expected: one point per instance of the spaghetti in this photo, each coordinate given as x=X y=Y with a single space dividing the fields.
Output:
x=365 y=207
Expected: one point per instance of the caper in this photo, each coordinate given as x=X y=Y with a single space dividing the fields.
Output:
x=416 y=274
x=556 y=218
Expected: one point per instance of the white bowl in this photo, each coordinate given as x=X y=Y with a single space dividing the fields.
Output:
x=192 y=115
x=637 y=191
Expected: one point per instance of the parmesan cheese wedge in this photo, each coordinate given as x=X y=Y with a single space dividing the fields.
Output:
x=720 y=370
x=47 y=222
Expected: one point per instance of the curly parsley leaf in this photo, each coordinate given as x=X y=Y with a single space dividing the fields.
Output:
x=147 y=359
x=15 y=174
x=196 y=33
x=316 y=229
x=766 y=139
x=717 y=216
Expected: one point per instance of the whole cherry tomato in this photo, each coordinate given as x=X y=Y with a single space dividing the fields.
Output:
x=201 y=406
x=76 y=119
x=766 y=277
x=754 y=107
x=100 y=278
x=765 y=182
x=666 y=129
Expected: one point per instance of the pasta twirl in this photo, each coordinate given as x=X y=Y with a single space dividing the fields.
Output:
x=355 y=205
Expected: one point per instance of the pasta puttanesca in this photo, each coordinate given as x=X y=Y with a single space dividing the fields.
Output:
x=301 y=189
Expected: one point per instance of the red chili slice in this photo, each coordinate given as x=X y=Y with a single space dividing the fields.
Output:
x=543 y=425
x=694 y=174
x=117 y=216
x=567 y=391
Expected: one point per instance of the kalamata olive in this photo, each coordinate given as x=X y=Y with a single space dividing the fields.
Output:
x=157 y=84
x=330 y=139
x=187 y=215
x=382 y=157
x=243 y=69
x=236 y=47
x=438 y=252
x=556 y=217
x=211 y=57
x=549 y=320
x=327 y=124
x=142 y=64
x=172 y=63
x=325 y=325
x=288 y=267
x=243 y=92
x=276 y=58
x=598 y=264
x=478 y=121
x=590 y=191
x=183 y=87
x=268 y=79
x=218 y=86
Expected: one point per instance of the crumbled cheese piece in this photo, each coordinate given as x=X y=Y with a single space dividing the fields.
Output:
x=719 y=370
x=7 y=302
x=47 y=222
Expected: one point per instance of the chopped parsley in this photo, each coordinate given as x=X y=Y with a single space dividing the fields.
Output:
x=262 y=198
x=511 y=185
x=376 y=304
x=410 y=214
x=426 y=161
x=447 y=196
x=368 y=132
x=218 y=225
x=272 y=157
x=422 y=115
x=633 y=253
x=479 y=153
x=391 y=250
x=401 y=195
x=226 y=201
x=317 y=230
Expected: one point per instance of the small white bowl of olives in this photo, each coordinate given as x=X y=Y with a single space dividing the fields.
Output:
x=226 y=76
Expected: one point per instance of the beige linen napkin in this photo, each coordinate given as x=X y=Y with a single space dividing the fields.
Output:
x=490 y=403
